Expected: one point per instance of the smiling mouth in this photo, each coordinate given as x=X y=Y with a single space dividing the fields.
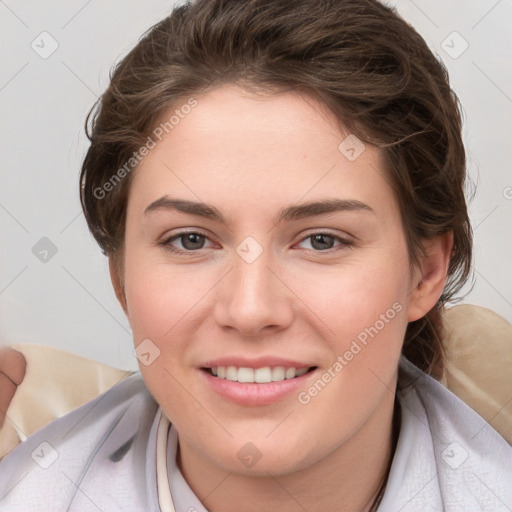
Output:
x=262 y=375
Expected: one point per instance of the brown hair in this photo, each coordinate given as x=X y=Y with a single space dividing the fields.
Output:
x=365 y=63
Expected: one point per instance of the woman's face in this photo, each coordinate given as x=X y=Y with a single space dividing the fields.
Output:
x=265 y=283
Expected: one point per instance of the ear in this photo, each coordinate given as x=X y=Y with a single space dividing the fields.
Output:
x=429 y=280
x=117 y=284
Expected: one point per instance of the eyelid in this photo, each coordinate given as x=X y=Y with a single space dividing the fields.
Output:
x=326 y=231
x=175 y=233
x=345 y=241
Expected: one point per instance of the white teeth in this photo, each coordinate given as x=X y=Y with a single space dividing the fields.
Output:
x=259 y=375
x=245 y=375
x=289 y=373
x=231 y=373
x=263 y=375
x=278 y=373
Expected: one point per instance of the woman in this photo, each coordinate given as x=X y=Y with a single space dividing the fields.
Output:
x=279 y=189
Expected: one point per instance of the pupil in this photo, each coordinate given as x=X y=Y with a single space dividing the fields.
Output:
x=321 y=240
x=190 y=241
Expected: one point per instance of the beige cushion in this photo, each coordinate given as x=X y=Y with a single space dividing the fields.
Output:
x=55 y=383
x=478 y=365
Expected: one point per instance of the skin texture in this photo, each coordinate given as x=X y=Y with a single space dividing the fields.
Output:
x=249 y=157
x=12 y=373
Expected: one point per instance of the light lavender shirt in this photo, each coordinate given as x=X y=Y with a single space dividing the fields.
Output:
x=102 y=457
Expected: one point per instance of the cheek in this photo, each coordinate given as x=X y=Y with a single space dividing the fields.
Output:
x=364 y=306
x=158 y=293
x=161 y=304
x=365 y=309
x=353 y=296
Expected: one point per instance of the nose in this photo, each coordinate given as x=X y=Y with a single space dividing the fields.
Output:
x=253 y=299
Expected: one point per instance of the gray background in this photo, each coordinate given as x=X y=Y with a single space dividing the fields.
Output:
x=67 y=300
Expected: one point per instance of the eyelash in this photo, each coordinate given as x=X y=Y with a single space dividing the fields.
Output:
x=344 y=243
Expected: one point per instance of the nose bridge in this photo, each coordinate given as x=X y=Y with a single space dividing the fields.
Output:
x=252 y=297
x=253 y=281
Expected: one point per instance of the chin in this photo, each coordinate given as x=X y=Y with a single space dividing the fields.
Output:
x=259 y=455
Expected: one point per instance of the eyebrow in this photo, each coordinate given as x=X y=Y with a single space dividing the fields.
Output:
x=292 y=212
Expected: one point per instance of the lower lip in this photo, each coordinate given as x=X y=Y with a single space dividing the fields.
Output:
x=253 y=394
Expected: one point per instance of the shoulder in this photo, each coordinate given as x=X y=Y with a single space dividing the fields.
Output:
x=447 y=455
x=50 y=469
x=448 y=415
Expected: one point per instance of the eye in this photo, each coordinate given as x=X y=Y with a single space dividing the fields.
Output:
x=324 y=241
x=190 y=241
x=193 y=241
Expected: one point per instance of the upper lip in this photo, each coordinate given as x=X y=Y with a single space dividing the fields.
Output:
x=259 y=362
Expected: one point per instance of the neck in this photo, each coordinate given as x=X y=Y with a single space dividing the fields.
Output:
x=348 y=479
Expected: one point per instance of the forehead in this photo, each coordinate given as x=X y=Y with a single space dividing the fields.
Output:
x=237 y=150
